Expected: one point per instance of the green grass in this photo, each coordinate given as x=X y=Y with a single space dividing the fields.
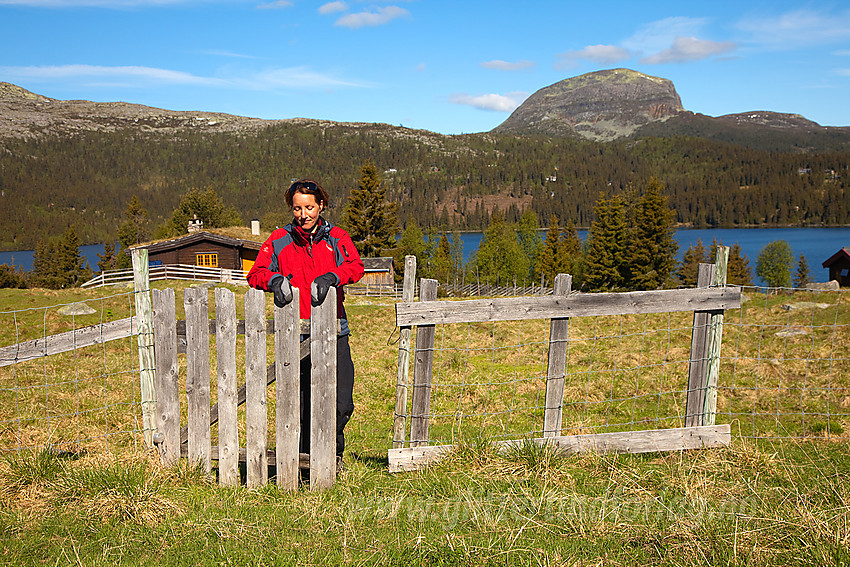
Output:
x=92 y=498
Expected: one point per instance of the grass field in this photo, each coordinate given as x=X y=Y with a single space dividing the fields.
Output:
x=96 y=498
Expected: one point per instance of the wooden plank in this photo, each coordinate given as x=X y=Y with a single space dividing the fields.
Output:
x=147 y=370
x=557 y=368
x=715 y=337
x=240 y=326
x=650 y=441
x=422 y=369
x=242 y=454
x=196 y=306
x=323 y=393
x=167 y=374
x=287 y=398
x=576 y=305
x=697 y=369
x=69 y=340
x=228 y=432
x=400 y=421
x=240 y=398
x=256 y=416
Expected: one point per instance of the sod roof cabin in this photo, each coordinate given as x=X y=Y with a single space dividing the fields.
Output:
x=839 y=266
x=205 y=249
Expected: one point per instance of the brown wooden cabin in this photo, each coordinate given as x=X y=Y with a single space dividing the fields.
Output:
x=839 y=266
x=378 y=272
x=204 y=249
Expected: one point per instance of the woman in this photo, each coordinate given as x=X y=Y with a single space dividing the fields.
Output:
x=312 y=255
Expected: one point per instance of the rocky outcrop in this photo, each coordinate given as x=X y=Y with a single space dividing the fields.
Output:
x=603 y=106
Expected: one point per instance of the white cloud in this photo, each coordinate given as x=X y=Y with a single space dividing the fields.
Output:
x=495 y=102
x=842 y=53
x=87 y=3
x=88 y=72
x=507 y=65
x=302 y=78
x=275 y=5
x=601 y=54
x=659 y=35
x=222 y=53
x=332 y=7
x=686 y=49
x=377 y=18
x=797 y=28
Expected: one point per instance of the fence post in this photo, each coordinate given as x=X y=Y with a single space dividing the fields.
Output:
x=715 y=337
x=556 y=373
x=144 y=318
x=699 y=356
x=400 y=422
x=323 y=335
x=167 y=373
x=196 y=306
x=287 y=335
x=228 y=434
x=256 y=416
x=422 y=369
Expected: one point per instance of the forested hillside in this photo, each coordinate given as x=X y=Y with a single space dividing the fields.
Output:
x=85 y=180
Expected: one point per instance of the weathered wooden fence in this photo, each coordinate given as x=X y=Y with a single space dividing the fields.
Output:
x=707 y=303
x=194 y=439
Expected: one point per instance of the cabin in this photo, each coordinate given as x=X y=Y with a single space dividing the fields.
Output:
x=206 y=249
x=839 y=266
x=378 y=272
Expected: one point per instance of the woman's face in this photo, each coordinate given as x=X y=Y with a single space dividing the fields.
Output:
x=306 y=210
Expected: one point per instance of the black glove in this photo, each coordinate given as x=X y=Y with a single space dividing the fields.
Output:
x=282 y=290
x=320 y=287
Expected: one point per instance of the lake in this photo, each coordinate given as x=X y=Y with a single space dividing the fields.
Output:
x=816 y=244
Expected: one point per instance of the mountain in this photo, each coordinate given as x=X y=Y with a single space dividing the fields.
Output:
x=601 y=106
x=25 y=114
x=621 y=103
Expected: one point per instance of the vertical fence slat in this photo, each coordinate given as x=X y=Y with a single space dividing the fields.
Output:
x=323 y=330
x=196 y=305
x=715 y=334
x=256 y=430
x=556 y=373
x=400 y=422
x=167 y=373
x=422 y=368
x=228 y=434
x=287 y=384
x=144 y=319
x=699 y=355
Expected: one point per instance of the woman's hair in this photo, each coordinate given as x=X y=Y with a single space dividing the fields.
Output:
x=307 y=187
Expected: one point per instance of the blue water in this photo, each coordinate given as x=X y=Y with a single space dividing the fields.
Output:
x=816 y=244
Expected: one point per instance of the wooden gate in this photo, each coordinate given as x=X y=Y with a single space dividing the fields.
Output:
x=708 y=302
x=194 y=439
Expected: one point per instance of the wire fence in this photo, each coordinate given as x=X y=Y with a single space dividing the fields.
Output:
x=79 y=397
x=783 y=372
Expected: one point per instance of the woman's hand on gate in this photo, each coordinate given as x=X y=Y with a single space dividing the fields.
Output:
x=320 y=287
x=282 y=290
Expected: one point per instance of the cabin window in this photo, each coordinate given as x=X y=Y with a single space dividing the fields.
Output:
x=207 y=260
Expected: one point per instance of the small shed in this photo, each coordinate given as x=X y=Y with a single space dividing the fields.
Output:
x=378 y=272
x=205 y=249
x=839 y=266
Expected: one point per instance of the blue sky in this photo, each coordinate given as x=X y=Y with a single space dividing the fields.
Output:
x=449 y=67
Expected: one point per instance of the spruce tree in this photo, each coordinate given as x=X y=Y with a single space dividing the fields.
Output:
x=548 y=264
x=651 y=254
x=206 y=205
x=456 y=251
x=442 y=264
x=107 y=261
x=499 y=257
x=371 y=221
x=802 y=277
x=689 y=266
x=72 y=267
x=45 y=271
x=412 y=243
x=738 y=268
x=134 y=230
x=528 y=233
x=604 y=262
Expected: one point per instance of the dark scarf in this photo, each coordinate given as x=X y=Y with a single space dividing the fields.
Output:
x=303 y=236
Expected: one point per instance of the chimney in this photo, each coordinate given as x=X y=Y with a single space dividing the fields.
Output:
x=196 y=224
x=255 y=227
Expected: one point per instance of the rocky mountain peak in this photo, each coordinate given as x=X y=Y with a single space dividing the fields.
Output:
x=603 y=105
